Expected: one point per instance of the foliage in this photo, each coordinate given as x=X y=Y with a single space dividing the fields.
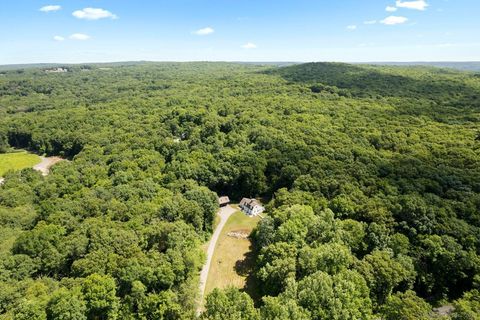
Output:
x=371 y=171
x=229 y=305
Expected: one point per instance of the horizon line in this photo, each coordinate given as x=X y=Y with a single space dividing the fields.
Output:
x=239 y=61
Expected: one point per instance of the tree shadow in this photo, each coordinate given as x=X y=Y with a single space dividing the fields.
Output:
x=246 y=268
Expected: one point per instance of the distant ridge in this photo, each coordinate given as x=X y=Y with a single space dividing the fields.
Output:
x=463 y=66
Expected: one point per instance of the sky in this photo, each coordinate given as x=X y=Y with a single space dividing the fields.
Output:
x=78 y=31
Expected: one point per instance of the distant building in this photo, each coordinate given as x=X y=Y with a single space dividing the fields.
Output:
x=251 y=206
x=56 y=70
x=223 y=201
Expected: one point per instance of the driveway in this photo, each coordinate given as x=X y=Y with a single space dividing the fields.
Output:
x=47 y=162
x=224 y=213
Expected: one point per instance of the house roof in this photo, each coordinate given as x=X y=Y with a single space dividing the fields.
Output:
x=223 y=200
x=250 y=203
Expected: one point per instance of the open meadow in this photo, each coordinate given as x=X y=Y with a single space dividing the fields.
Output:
x=231 y=263
x=17 y=161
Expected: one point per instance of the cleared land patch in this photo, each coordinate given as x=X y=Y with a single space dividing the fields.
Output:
x=17 y=161
x=231 y=260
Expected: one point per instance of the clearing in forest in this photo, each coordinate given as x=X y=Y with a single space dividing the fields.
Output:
x=232 y=260
x=17 y=161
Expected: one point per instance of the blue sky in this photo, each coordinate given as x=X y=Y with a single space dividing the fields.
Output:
x=74 y=31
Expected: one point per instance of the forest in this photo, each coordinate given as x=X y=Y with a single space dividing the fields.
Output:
x=371 y=176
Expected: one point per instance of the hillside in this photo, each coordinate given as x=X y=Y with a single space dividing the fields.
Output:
x=372 y=173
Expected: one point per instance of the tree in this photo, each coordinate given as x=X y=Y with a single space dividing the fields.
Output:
x=384 y=273
x=406 y=306
x=44 y=243
x=342 y=296
x=30 y=309
x=4 y=146
x=161 y=306
x=229 y=304
x=279 y=308
x=66 y=305
x=330 y=258
x=276 y=264
x=468 y=307
x=99 y=294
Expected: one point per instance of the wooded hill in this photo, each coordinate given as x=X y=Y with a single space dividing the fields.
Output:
x=373 y=172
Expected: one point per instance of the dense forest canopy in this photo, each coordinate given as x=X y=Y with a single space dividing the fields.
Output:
x=373 y=176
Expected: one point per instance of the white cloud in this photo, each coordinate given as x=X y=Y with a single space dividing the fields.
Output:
x=391 y=9
x=50 y=8
x=204 y=32
x=370 y=22
x=249 y=45
x=393 y=20
x=93 y=14
x=79 y=36
x=58 y=38
x=416 y=5
x=352 y=27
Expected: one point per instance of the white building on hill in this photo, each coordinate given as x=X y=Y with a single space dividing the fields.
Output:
x=251 y=206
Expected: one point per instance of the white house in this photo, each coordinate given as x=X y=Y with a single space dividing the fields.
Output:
x=251 y=206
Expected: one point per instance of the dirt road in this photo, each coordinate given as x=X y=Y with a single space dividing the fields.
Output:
x=47 y=162
x=224 y=214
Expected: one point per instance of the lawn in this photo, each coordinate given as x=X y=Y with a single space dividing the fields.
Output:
x=231 y=261
x=17 y=161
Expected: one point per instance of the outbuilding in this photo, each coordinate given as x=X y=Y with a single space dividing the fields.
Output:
x=223 y=201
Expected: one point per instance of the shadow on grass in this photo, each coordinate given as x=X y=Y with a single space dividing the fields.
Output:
x=245 y=268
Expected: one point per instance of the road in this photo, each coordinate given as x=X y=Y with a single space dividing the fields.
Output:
x=224 y=213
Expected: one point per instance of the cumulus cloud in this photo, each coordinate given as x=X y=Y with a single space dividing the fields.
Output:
x=416 y=5
x=58 y=38
x=391 y=9
x=393 y=20
x=204 y=31
x=352 y=27
x=249 y=45
x=79 y=36
x=93 y=14
x=370 y=22
x=50 y=8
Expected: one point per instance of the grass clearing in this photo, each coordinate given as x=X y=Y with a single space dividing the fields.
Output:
x=17 y=161
x=231 y=261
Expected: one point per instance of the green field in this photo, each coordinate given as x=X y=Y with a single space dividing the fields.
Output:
x=17 y=161
x=230 y=262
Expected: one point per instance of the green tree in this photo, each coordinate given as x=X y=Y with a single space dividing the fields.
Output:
x=342 y=296
x=99 y=294
x=276 y=264
x=384 y=273
x=44 y=242
x=468 y=307
x=229 y=304
x=330 y=258
x=30 y=309
x=66 y=305
x=406 y=306
x=277 y=308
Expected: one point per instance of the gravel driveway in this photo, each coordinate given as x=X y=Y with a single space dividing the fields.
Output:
x=44 y=166
x=224 y=213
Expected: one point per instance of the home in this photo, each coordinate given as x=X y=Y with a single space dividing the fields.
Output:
x=251 y=206
x=223 y=201
x=56 y=70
